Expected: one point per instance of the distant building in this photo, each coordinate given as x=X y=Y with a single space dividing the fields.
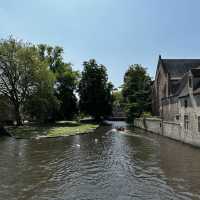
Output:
x=176 y=92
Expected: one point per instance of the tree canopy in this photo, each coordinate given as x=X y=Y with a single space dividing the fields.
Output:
x=95 y=90
x=66 y=80
x=136 y=91
x=20 y=72
x=36 y=81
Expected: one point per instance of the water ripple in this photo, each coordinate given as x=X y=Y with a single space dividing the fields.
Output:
x=103 y=165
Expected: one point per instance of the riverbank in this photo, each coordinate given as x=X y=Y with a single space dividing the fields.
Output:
x=58 y=129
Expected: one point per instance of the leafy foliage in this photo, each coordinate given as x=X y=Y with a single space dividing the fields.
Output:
x=95 y=91
x=20 y=69
x=118 y=103
x=117 y=98
x=65 y=91
x=41 y=86
x=65 y=82
x=43 y=104
x=136 y=91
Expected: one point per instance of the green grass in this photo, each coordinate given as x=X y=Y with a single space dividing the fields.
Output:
x=73 y=130
x=64 y=128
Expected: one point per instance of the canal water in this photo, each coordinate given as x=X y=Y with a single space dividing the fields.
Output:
x=106 y=165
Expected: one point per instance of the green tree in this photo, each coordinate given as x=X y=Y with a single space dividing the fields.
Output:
x=53 y=56
x=136 y=91
x=19 y=67
x=43 y=104
x=66 y=85
x=117 y=98
x=24 y=77
x=95 y=91
x=118 y=103
x=66 y=80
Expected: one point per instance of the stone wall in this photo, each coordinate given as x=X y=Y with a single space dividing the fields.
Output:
x=169 y=129
x=149 y=124
x=170 y=108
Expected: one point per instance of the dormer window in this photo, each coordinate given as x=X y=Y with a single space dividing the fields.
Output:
x=190 y=82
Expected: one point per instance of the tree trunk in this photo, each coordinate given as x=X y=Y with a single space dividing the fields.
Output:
x=18 y=116
x=98 y=119
x=3 y=132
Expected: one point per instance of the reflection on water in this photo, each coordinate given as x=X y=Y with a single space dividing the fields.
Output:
x=103 y=165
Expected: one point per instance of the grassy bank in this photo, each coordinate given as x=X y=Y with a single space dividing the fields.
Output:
x=58 y=129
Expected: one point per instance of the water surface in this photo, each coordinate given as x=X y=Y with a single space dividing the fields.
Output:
x=103 y=166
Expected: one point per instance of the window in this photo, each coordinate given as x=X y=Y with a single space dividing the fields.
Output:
x=185 y=103
x=199 y=123
x=177 y=117
x=190 y=82
x=186 y=122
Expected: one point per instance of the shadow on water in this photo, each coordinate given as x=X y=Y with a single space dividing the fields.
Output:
x=104 y=165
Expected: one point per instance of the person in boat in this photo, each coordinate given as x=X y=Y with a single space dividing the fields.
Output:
x=121 y=129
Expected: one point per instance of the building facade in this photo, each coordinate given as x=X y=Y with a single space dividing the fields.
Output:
x=176 y=93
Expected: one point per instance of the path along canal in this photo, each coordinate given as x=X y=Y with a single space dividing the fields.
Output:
x=100 y=166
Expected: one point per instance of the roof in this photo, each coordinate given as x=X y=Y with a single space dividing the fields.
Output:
x=196 y=72
x=197 y=91
x=183 y=90
x=178 y=67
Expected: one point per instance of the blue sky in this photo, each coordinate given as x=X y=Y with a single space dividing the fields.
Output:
x=116 y=33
